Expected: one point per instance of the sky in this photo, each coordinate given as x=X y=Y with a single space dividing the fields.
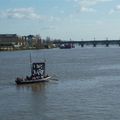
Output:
x=61 y=19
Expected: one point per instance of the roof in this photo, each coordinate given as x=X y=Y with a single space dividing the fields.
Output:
x=8 y=35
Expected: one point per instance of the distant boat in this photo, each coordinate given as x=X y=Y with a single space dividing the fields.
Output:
x=66 y=46
x=37 y=74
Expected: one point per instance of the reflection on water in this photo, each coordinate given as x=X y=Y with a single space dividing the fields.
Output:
x=36 y=87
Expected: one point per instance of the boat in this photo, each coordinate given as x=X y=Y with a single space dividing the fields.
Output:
x=66 y=46
x=37 y=75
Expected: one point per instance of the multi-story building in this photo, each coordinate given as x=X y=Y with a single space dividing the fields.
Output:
x=11 y=42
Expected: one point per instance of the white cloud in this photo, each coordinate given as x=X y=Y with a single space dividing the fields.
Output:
x=21 y=13
x=53 y=19
x=87 y=5
x=27 y=14
x=116 y=9
x=85 y=9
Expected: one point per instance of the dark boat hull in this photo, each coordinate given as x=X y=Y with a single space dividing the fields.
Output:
x=67 y=46
x=23 y=81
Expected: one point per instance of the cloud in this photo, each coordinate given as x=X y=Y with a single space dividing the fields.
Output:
x=87 y=5
x=21 y=13
x=86 y=9
x=116 y=9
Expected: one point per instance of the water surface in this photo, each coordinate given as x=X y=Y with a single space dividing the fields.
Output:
x=88 y=86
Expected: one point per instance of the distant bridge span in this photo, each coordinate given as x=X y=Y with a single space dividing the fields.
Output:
x=94 y=43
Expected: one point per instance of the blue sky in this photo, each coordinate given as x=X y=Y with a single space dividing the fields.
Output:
x=61 y=19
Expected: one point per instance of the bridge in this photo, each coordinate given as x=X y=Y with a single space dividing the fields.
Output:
x=94 y=43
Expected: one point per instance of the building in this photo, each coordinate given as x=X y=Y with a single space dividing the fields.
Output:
x=34 y=41
x=11 y=42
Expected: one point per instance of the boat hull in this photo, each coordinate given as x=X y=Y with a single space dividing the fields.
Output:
x=23 y=81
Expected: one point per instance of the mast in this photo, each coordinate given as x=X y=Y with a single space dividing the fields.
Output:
x=45 y=67
x=30 y=63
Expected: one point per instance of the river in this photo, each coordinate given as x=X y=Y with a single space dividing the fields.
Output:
x=88 y=86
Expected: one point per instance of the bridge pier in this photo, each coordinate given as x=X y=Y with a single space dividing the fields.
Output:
x=107 y=44
x=82 y=45
x=118 y=43
x=94 y=44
